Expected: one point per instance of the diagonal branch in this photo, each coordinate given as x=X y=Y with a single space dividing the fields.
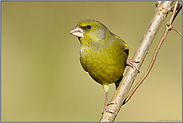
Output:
x=155 y=54
x=130 y=75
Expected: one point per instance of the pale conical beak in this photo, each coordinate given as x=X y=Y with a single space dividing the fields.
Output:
x=77 y=31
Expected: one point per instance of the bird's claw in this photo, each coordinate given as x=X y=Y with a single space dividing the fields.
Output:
x=105 y=108
x=131 y=63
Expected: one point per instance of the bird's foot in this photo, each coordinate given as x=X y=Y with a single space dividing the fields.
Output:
x=105 y=108
x=131 y=63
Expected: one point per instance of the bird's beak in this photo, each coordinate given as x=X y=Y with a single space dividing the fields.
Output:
x=77 y=31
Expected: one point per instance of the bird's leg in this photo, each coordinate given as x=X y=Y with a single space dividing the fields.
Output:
x=106 y=100
x=131 y=63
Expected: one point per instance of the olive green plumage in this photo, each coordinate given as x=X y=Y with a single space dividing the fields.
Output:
x=103 y=54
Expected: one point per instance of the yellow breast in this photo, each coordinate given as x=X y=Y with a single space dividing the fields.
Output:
x=105 y=64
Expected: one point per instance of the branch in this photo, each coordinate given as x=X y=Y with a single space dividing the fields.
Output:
x=130 y=75
x=155 y=54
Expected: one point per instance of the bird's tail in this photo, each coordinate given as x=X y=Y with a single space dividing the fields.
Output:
x=118 y=81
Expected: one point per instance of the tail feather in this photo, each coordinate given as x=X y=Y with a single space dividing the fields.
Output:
x=118 y=81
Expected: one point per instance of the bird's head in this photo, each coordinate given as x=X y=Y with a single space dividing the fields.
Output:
x=89 y=30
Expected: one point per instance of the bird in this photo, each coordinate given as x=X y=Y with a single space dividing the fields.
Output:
x=102 y=54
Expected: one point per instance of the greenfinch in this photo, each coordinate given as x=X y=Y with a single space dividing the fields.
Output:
x=103 y=54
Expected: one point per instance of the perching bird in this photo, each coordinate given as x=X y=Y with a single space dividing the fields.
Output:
x=103 y=54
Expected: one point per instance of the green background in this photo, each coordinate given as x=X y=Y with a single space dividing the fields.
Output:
x=42 y=79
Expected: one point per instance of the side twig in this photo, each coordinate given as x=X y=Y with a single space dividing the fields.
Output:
x=176 y=30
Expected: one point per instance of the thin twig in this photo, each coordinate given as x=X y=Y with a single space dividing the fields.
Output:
x=173 y=14
x=154 y=56
x=171 y=27
x=176 y=30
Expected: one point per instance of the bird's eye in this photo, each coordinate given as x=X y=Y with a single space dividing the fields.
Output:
x=88 y=27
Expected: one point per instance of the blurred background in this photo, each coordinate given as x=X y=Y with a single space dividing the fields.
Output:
x=42 y=79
